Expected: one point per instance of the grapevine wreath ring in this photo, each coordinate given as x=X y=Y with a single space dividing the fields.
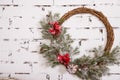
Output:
x=58 y=49
x=110 y=34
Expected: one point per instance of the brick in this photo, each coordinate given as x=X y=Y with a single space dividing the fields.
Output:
x=117 y=39
x=34 y=46
x=34 y=2
x=21 y=16
x=109 y=11
x=4 y=22
x=0 y=12
x=116 y=77
x=8 y=47
x=106 y=2
x=25 y=56
x=11 y=34
x=72 y=2
x=13 y=68
x=5 y=1
x=114 y=21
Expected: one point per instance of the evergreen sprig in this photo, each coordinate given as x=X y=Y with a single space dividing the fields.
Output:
x=97 y=66
x=57 y=45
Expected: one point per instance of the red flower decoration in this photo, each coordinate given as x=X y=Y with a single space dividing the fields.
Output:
x=56 y=29
x=52 y=31
x=64 y=59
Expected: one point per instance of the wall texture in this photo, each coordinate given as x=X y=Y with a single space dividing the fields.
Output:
x=20 y=35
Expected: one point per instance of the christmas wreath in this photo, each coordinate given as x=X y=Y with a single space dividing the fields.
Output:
x=58 y=49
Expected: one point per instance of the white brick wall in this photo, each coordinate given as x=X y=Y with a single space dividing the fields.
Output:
x=20 y=35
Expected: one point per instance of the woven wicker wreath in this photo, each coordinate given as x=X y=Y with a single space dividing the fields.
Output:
x=59 y=49
x=110 y=34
